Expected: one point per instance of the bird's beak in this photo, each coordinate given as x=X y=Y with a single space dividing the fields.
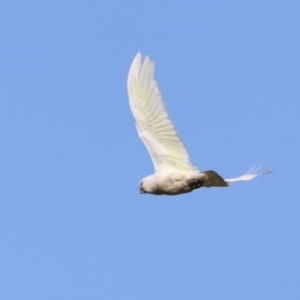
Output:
x=142 y=191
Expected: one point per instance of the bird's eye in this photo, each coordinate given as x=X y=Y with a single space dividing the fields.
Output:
x=141 y=183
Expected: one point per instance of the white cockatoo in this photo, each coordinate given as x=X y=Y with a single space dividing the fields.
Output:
x=174 y=173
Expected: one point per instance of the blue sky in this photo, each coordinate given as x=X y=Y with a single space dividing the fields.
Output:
x=72 y=222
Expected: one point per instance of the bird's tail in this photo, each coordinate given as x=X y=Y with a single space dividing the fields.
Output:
x=213 y=179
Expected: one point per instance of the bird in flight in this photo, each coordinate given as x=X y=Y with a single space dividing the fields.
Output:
x=174 y=173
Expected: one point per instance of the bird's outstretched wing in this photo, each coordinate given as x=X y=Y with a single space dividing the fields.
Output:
x=152 y=121
x=252 y=173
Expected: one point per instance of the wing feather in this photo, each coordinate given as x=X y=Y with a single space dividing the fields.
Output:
x=252 y=173
x=152 y=121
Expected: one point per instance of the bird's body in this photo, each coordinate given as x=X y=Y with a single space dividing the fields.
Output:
x=165 y=182
x=174 y=173
x=174 y=182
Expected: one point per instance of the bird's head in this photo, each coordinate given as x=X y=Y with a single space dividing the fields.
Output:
x=147 y=185
x=142 y=191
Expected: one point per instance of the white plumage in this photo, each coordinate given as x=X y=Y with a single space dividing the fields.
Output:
x=174 y=174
